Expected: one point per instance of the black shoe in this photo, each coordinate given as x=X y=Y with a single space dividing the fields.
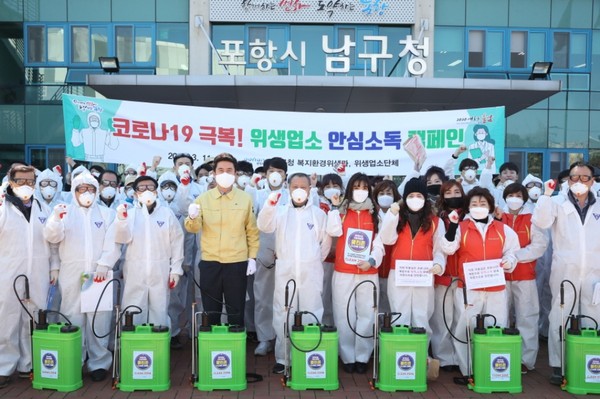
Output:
x=278 y=368
x=25 y=375
x=450 y=368
x=176 y=343
x=98 y=375
x=361 y=368
x=464 y=380
x=556 y=378
x=349 y=367
x=4 y=380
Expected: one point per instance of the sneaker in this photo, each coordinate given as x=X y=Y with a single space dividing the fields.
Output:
x=98 y=375
x=278 y=368
x=361 y=368
x=263 y=348
x=524 y=369
x=464 y=380
x=4 y=380
x=349 y=367
x=556 y=378
x=25 y=375
x=176 y=343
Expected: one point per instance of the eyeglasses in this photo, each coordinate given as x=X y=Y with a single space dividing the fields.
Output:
x=534 y=184
x=83 y=189
x=145 y=187
x=583 y=178
x=46 y=183
x=133 y=173
x=470 y=168
x=107 y=183
x=22 y=182
x=168 y=185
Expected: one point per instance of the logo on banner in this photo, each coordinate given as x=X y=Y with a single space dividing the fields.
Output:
x=98 y=224
x=500 y=364
x=143 y=362
x=221 y=365
x=49 y=361
x=43 y=220
x=406 y=362
x=316 y=365
x=315 y=361
x=221 y=361
x=593 y=365
x=406 y=365
x=358 y=241
x=500 y=367
x=143 y=367
x=160 y=224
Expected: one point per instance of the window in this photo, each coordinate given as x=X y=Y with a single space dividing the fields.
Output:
x=476 y=48
x=518 y=49
x=45 y=44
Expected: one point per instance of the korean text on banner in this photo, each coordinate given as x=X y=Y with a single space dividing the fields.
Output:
x=413 y=273
x=483 y=274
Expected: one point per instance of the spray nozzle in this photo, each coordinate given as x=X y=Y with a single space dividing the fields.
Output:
x=480 y=322
x=562 y=293
x=374 y=297
x=287 y=296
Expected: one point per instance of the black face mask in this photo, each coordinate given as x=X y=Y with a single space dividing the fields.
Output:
x=434 y=189
x=454 y=202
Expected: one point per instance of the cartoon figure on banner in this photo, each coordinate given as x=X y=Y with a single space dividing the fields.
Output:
x=483 y=147
x=95 y=140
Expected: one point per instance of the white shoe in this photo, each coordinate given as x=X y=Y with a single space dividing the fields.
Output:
x=263 y=348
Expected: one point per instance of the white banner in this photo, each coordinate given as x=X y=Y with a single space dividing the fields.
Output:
x=413 y=273
x=483 y=274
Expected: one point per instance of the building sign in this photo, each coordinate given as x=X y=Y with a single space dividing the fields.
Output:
x=314 y=11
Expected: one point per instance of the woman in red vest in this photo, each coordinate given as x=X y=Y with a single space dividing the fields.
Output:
x=452 y=198
x=358 y=254
x=521 y=286
x=479 y=237
x=415 y=234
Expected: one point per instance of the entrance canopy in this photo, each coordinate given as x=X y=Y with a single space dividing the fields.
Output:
x=326 y=93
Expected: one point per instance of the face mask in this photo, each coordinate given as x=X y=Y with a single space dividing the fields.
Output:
x=86 y=199
x=360 y=195
x=330 y=192
x=579 y=188
x=147 y=198
x=469 y=175
x=514 y=203
x=129 y=193
x=534 y=193
x=454 y=202
x=275 y=179
x=48 y=192
x=299 y=196
x=182 y=169
x=385 y=200
x=96 y=174
x=434 y=189
x=481 y=136
x=243 y=181
x=479 y=212
x=23 y=192
x=168 y=194
x=415 y=204
x=108 y=192
x=225 y=180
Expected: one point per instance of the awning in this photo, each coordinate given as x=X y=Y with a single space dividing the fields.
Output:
x=326 y=93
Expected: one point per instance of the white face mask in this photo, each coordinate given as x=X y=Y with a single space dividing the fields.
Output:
x=243 y=181
x=225 y=180
x=579 y=188
x=168 y=194
x=470 y=175
x=360 y=195
x=514 y=203
x=48 y=192
x=299 y=196
x=331 y=191
x=129 y=193
x=415 y=204
x=182 y=169
x=275 y=179
x=86 y=199
x=23 y=192
x=385 y=200
x=481 y=136
x=108 y=193
x=479 y=212
x=534 y=193
x=147 y=198
x=96 y=174
x=202 y=180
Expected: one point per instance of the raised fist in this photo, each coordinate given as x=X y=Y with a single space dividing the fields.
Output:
x=394 y=208
x=60 y=211
x=193 y=210
x=122 y=212
x=273 y=198
x=57 y=169
x=453 y=217
x=549 y=187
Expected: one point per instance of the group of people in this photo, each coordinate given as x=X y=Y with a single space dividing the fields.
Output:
x=233 y=238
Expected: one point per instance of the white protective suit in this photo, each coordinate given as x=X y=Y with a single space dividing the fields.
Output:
x=301 y=245
x=154 y=250
x=82 y=238
x=58 y=195
x=576 y=250
x=95 y=140
x=23 y=251
x=415 y=303
x=492 y=302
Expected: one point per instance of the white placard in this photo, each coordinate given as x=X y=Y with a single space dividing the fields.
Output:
x=221 y=364
x=315 y=365
x=500 y=367
x=90 y=293
x=357 y=246
x=592 y=368
x=406 y=365
x=483 y=274
x=143 y=365
x=49 y=364
x=413 y=273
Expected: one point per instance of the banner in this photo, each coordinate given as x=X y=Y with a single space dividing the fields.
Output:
x=100 y=130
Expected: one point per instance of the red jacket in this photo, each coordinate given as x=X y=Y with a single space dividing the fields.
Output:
x=420 y=247
x=521 y=224
x=352 y=220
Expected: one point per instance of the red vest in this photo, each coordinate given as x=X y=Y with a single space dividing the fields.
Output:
x=352 y=220
x=474 y=248
x=451 y=270
x=521 y=224
x=418 y=248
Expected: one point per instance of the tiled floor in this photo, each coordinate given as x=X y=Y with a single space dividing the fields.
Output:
x=352 y=386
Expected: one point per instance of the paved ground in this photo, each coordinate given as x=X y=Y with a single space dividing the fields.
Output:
x=352 y=386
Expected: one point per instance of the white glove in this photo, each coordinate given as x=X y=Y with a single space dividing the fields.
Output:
x=53 y=276
x=273 y=198
x=101 y=272
x=336 y=200
x=394 y=208
x=173 y=280
x=193 y=210
x=549 y=187
x=60 y=211
x=251 y=269
x=122 y=212
x=255 y=179
x=453 y=217
x=436 y=269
